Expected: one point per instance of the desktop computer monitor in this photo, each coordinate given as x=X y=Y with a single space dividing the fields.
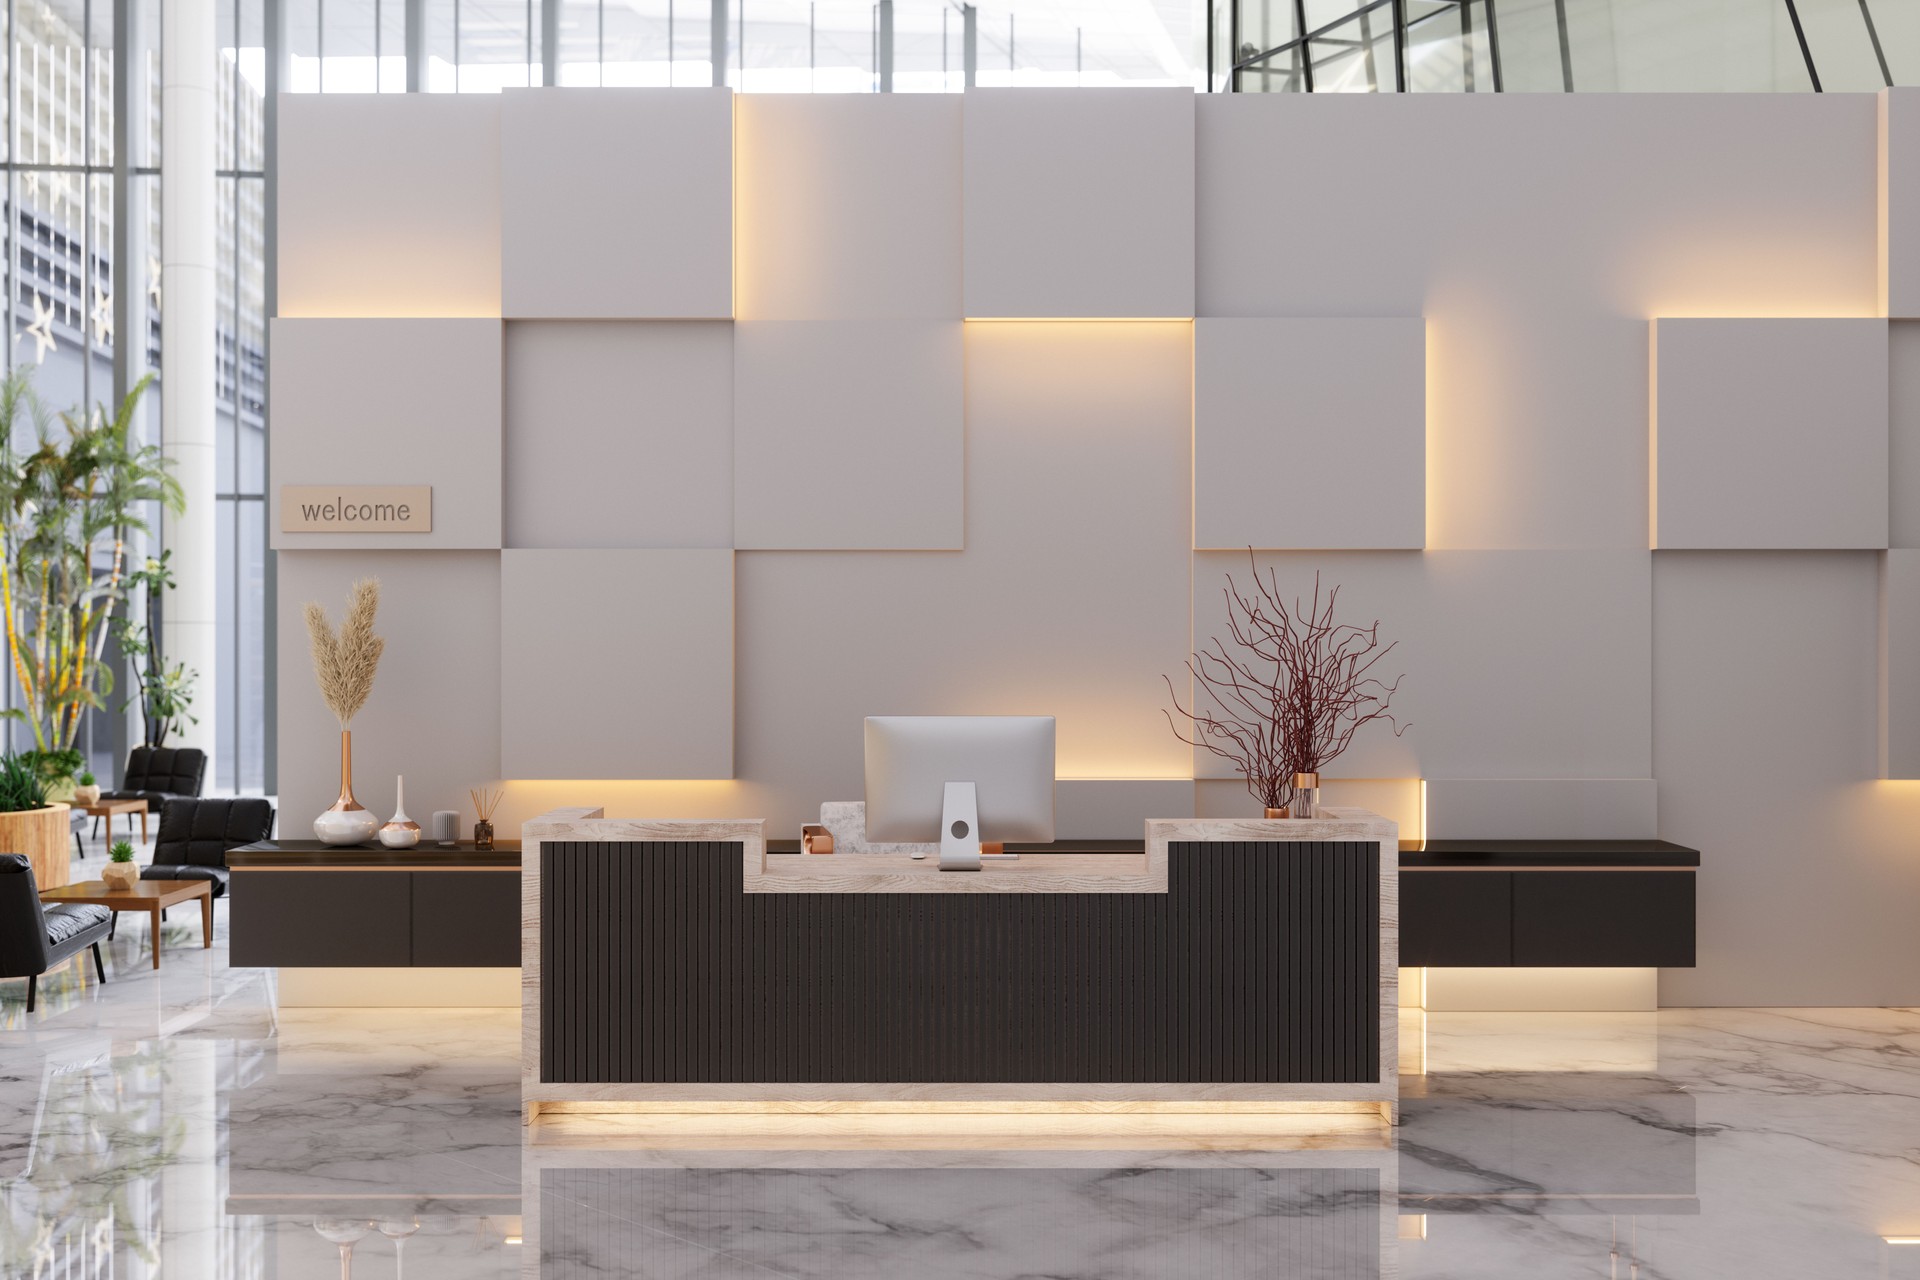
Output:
x=957 y=780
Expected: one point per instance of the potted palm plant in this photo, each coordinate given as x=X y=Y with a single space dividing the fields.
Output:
x=70 y=496
x=30 y=824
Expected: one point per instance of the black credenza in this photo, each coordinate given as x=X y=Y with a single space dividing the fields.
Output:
x=1547 y=903
x=299 y=904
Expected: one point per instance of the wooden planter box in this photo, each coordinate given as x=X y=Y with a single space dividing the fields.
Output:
x=46 y=837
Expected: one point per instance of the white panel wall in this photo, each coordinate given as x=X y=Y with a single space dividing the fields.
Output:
x=1117 y=809
x=1558 y=672
x=1079 y=204
x=1764 y=747
x=1903 y=444
x=1517 y=664
x=620 y=204
x=390 y=402
x=1900 y=202
x=1900 y=664
x=1769 y=434
x=619 y=433
x=1070 y=598
x=435 y=710
x=1542 y=809
x=389 y=206
x=1546 y=230
x=849 y=434
x=849 y=206
x=616 y=664
x=1280 y=406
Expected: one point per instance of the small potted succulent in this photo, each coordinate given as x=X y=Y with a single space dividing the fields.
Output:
x=120 y=873
x=86 y=790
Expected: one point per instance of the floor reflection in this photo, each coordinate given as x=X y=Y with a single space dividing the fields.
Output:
x=1314 y=1223
x=171 y=1124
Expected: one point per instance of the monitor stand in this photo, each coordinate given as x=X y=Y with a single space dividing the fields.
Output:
x=960 y=828
x=960 y=847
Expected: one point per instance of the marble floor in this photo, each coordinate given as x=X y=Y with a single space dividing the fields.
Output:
x=174 y=1124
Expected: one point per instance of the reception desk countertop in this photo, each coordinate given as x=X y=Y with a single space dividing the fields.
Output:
x=1068 y=867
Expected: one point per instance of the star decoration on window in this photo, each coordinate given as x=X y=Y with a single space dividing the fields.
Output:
x=41 y=330
x=102 y=314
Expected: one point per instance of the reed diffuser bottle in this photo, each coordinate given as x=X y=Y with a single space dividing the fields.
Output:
x=485 y=801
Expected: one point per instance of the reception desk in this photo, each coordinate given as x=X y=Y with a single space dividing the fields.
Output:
x=672 y=966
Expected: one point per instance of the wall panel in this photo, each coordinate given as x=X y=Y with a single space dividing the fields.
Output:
x=848 y=206
x=1542 y=809
x=618 y=203
x=1900 y=664
x=389 y=205
x=616 y=664
x=1900 y=202
x=390 y=402
x=1769 y=434
x=849 y=435
x=1764 y=734
x=1280 y=407
x=619 y=433
x=1079 y=204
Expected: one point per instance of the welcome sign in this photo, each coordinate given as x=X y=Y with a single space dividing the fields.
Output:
x=356 y=508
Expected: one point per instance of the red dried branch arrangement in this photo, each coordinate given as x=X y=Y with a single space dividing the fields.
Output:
x=1289 y=693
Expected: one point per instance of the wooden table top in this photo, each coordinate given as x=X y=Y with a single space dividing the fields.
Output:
x=143 y=896
x=105 y=807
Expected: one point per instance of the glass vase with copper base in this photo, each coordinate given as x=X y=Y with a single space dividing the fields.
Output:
x=346 y=821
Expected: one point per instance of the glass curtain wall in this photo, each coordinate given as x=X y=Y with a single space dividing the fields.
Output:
x=1566 y=46
x=243 y=753
x=81 y=231
x=771 y=46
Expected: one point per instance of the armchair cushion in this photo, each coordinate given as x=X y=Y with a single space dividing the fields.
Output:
x=159 y=774
x=65 y=922
x=195 y=835
x=34 y=938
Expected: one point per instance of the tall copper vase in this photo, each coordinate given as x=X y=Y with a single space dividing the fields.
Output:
x=346 y=821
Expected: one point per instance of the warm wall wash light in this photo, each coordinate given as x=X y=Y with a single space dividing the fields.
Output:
x=1079 y=319
x=1901 y=1239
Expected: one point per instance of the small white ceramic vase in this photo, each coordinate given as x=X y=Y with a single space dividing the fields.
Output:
x=400 y=831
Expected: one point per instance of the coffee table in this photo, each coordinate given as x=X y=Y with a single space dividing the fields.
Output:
x=107 y=808
x=150 y=896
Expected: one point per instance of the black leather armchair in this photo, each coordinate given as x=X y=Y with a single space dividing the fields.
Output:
x=195 y=835
x=160 y=774
x=34 y=938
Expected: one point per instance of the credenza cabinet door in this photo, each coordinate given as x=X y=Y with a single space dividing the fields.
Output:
x=1456 y=918
x=466 y=919
x=1603 y=918
x=321 y=919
